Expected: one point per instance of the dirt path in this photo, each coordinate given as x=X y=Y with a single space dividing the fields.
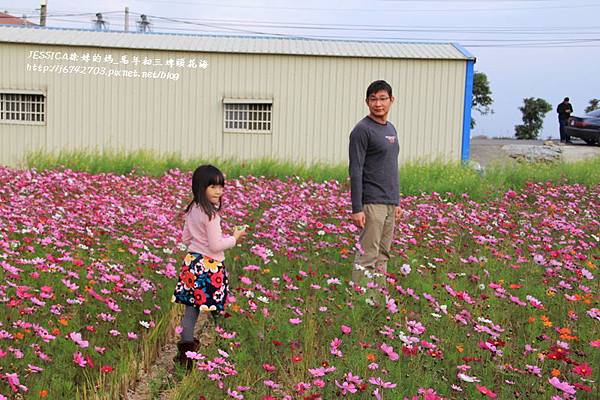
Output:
x=159 y=382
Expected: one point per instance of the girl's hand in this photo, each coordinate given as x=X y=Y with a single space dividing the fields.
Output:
x=239 y=233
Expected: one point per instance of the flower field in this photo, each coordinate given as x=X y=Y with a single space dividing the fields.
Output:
x=494 y=299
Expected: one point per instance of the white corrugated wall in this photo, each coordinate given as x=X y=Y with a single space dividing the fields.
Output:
x=316 y=102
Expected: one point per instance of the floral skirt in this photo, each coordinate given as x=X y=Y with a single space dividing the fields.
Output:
x=203 y=283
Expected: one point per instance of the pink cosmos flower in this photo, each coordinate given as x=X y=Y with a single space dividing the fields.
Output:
x=486 y=391
x=380 y=382
x=79 y=359
x=346 y=387
x=389 y=351
x=271 y=384
x=268 y=367
x=235 y=394
x=416 y=328
x=563 y=386
x=319 y=383
x=245 y=280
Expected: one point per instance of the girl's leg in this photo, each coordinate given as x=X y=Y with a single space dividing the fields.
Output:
x=188 y=322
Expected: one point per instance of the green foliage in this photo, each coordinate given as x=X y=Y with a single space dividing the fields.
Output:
x=533 y=111
x=482 y=96
x=146 y=162
x=594 y=105
x=415 y=177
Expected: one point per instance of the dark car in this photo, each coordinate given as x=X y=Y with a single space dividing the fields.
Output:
x=586 y=128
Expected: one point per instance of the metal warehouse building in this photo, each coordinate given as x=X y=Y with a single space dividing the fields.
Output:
x=223 y=96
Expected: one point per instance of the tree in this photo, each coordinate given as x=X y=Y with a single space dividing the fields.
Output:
x=533 y=111
x=594 y=105
x=482 y=96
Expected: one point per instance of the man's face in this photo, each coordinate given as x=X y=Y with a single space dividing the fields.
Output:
x=379 y=103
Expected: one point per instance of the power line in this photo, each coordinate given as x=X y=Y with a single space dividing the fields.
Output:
x=224 y=27
x=423 y=30
x=373 y=9
x=548 y=41
x=237 y=27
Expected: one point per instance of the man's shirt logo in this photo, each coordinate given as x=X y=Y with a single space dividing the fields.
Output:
x=391 y=139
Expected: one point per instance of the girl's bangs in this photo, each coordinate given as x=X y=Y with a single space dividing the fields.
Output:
x=217 y=179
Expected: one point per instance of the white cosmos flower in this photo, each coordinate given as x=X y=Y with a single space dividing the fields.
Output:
x=467 y=378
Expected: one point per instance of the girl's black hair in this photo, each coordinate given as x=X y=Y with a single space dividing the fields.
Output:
x=205 y=176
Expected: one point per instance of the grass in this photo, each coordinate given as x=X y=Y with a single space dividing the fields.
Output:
x=415 y=178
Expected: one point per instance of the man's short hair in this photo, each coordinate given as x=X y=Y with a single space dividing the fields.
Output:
x=378 y=86
x=566 y=99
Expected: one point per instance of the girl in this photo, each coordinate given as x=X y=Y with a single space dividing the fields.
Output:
x=203 y=282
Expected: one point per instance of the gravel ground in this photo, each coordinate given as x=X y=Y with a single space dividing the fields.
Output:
x=488 y=151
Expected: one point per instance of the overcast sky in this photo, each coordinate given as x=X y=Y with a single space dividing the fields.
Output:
x=527 y=48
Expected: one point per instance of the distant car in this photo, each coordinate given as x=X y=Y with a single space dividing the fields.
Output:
x=586 y=128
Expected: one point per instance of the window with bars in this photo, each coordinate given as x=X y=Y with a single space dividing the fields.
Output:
x=247 y=116
x=27 y=108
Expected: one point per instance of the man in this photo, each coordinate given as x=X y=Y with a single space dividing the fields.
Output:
x=373 y=154
x=564 y=111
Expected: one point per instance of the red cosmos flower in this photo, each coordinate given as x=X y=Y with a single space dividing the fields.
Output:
x=409 y=351
x=316 y=396
x=558 y=353
x=217 y=279
x=486 y=391
x=199 y=296
x=583 y=387
x=435 y=354
x=277 y=342
x=297 y=358
x=269 y=398
x=106 y=369
x=582 y=370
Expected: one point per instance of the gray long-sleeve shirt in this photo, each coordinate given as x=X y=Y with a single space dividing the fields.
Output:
x=373 y=154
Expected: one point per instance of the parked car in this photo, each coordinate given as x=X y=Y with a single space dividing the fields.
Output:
x=586 y=128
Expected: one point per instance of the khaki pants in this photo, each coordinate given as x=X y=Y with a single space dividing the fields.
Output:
x=376 y=241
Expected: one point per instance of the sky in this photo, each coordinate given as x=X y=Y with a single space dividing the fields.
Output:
x=528 y=48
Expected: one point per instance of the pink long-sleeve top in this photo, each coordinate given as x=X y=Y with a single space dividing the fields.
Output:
x=205 y=237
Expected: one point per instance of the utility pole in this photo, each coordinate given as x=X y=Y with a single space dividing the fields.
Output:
x=126 y=19
x=43 y=12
